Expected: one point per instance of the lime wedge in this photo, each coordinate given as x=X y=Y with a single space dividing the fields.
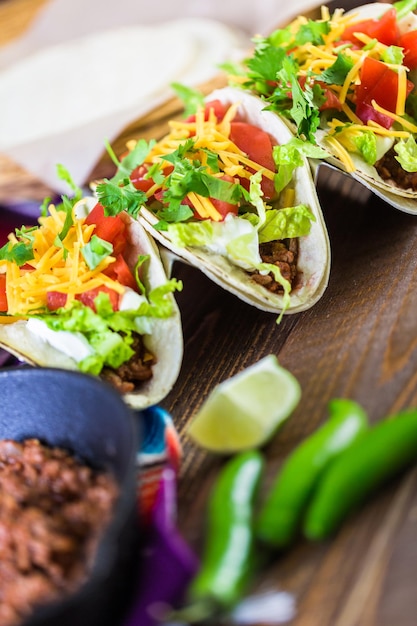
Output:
x=244 y=411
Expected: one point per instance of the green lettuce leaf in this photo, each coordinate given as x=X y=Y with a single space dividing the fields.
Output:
x=108 y=332
x=289 y=156
x=235 y=238
x=366 y=146
x=95 y=251
x=286 y=223
x=407 y=154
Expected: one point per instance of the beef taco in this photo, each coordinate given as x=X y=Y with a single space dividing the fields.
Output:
x=85 y=290
x=229 y=190
x=347 y=82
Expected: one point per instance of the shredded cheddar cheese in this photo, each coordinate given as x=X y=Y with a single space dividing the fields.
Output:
x=54 y=267
x=208 y=134
x=315 y=58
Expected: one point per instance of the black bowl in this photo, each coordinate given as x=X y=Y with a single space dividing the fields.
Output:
x=86 y=416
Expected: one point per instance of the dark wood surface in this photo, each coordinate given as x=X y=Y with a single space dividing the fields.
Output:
x=359 y=342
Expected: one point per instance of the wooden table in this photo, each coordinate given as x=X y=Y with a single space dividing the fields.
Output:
x=359 y=342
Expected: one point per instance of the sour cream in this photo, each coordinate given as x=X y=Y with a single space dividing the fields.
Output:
x=74 y=345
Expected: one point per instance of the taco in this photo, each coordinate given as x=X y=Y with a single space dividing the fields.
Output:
x=229 y=190
x=84 y=290
x=347 y=82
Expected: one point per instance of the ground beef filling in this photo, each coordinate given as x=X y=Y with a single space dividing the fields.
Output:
x=390 y=170
x=132 y=373
x=53 y=510
x=283 y=254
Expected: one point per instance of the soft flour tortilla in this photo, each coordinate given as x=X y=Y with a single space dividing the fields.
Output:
x=314 y=249
x=165 y=342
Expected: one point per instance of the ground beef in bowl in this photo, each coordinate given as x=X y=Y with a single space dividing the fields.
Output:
x=53 y=511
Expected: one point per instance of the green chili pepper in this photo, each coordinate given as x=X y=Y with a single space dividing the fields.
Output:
x=228 y=557
x=281 y=514
x=384 y=451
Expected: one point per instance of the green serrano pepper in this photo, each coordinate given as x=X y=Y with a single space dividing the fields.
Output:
x=228 y=556
x=281 y=514
x=385 y=450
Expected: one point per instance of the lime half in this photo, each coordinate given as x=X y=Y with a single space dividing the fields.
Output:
x=245 y=410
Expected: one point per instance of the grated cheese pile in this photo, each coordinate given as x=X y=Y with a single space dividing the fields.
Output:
x=208 y=134
x=317 y=58
x=54 y=267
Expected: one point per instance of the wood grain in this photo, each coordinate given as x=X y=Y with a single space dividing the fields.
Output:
x=16 y=16
x=359 y=341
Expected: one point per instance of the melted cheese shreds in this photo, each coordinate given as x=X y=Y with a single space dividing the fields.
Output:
x=351 y=77
x=204 y=207
x=54 y=267
x=404 y=123
x=209 y=135
x=402 y=91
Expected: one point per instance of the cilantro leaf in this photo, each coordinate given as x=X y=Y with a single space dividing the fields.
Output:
x=116 y=199
x=265 y=63
x=64 y=175
x=133 y=159
x=304 y=110
x=312 y=32
x=191 y=98
x=336 y=73
x=66 y=206
x=19 y=253
x=281 y=38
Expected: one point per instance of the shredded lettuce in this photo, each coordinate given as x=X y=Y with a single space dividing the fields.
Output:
x=238 y=238
x=108 y=332
x=286 y=223
x=95 y=251
x=404 y=7
x=366 y=145
x=235 y=238
x=407 y=154
x=291 y=155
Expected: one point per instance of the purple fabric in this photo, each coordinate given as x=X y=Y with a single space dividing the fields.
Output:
x=167 y=562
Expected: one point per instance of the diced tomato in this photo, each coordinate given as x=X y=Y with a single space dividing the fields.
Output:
x=120 y=271
x=224 y=208
x=257 y=144
x=379 y=83
x=331 y=101
x=408 y=41
x=139 y=180
x=55 y=300
x=3 y=296
x=218 y=107
x=384 y=29
x=88 y=297
x=108 y=227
